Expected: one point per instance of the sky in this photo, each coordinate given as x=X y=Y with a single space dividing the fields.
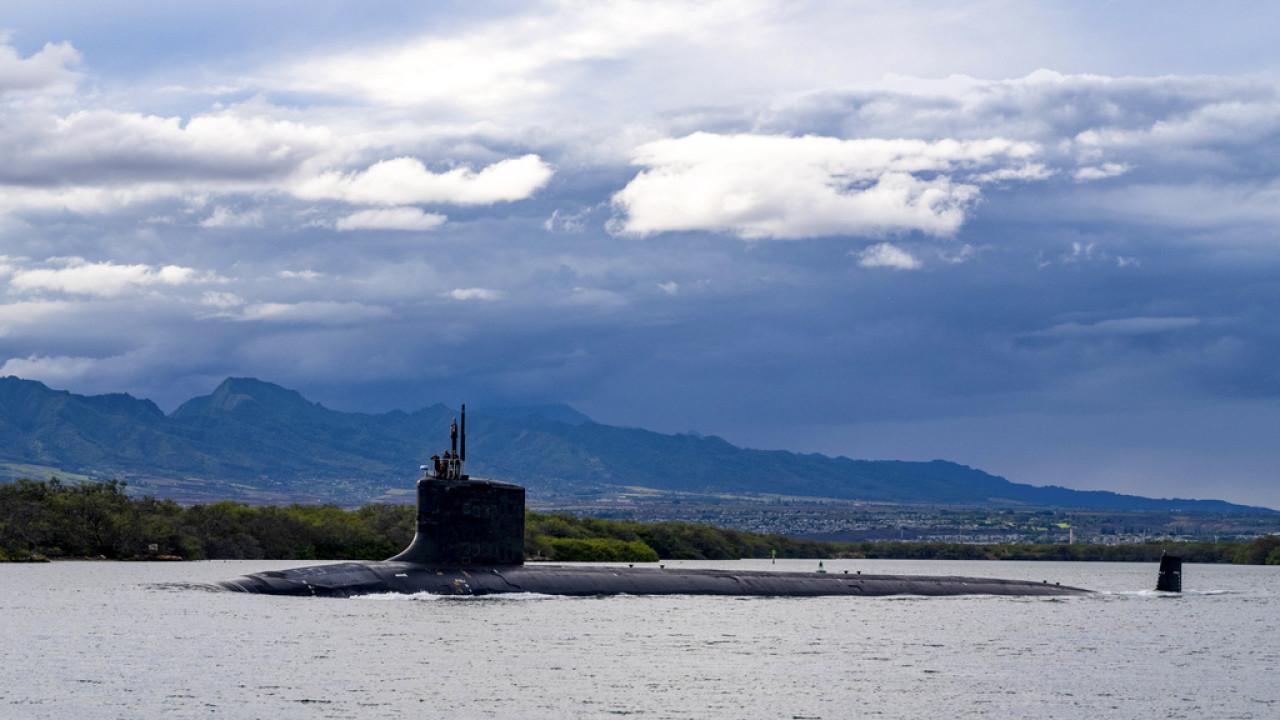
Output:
x=1037 y=238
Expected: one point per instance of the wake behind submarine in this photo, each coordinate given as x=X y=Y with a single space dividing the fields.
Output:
x=470 y=541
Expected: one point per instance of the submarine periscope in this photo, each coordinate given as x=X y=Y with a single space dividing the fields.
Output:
x=470 y=541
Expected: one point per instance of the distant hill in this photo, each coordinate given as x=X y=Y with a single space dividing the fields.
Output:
x=258 y=442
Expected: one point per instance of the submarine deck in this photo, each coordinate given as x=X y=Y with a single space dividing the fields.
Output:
x=363 y=578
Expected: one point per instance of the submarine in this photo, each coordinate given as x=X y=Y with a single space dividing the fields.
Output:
x=470 y=542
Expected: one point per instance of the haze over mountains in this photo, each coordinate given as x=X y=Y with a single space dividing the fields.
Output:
x=258 y=442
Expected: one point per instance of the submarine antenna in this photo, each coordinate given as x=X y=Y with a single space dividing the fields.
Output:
x=462 y=462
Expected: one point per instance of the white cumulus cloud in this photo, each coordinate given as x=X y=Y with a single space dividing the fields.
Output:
x=1100 y=172
x=406 y=181
x=396 y=218
x=783 y=187
x=103 y=279
x=888 y=255
x=47 y=70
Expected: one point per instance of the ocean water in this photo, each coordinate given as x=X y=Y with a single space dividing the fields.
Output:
x=140 y=640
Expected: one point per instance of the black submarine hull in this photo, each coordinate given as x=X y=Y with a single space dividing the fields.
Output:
x=365 y=578
x=470 y=541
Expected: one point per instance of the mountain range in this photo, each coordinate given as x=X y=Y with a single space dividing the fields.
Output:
x=254 y=441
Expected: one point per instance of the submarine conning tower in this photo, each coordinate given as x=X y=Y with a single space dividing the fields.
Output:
x=463 y=520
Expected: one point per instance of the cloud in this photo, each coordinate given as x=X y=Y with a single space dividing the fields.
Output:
x=83 y=199
x=106 y=147
x=1168 y=132
x=300 y=275
x=406 y=181
x=1181 y=202
x=1119 y=326
x=1042 y=106
x=1080 y=252
x=778 y=187
x=509 y=62
x=396 y=218
x=957 y=256
x=1106 y=170
x=223 y=217
x=475 y=294
x=888 y=256
x=1025 y=172
x=102 y=160
x=55 y=370
x=103 y=279
x=30 y=312
x=221 y=300
x=566 y=222
x=594 y=297
x=48 y=70
x=325 y=312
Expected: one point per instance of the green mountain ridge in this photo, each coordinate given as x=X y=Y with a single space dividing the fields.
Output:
x=250 y=437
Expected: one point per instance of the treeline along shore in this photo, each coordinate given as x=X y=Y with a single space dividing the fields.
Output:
x=42 y=520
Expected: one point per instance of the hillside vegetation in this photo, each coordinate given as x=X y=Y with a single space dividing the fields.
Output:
x=50 y=519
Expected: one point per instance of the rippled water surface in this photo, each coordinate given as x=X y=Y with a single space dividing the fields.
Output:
x=133 y=640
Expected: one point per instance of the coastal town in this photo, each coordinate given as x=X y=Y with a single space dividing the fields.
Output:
x=840 y=521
